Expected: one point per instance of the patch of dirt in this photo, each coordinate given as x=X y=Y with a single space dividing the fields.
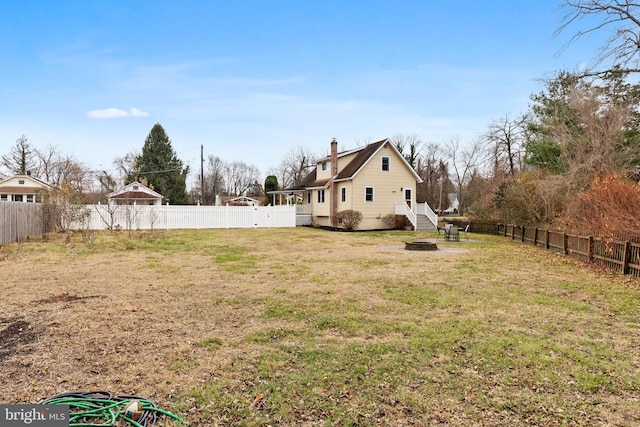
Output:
x=65 y=297
x=15 y=337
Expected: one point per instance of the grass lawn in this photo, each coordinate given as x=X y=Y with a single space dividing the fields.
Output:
x=309 y=327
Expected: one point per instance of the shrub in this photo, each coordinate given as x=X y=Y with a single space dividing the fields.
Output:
x=349 y=219
x=390 y=221
x=608 y=209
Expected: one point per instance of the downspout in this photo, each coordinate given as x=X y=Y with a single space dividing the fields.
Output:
x=334 y=192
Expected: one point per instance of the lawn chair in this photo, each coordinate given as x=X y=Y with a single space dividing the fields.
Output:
x=446 y=229
x=453 y=234
x=465 y=231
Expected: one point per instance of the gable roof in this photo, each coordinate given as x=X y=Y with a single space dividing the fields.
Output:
x=360 y=160
x=363 y=156
x=136 y=191
x=39 y=183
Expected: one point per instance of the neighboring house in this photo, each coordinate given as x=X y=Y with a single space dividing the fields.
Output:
x=375 y=180
x=237 y=201
x=23 y=188
x=454 y=203
x=135 y=193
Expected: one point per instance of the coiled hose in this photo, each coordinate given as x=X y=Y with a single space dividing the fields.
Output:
x=104 y=409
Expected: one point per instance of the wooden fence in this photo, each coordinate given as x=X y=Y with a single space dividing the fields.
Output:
x=20 y=220
x=620 y=256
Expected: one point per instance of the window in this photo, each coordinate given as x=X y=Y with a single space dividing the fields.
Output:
x=385 y=164
x=320 y=196
x=343 y=194
x=309 y=197
x=21 y=182
x=16 y=198
x=135 y=188
x=324 y=166
x=368 y=194
x=3 y=198
x=30 y=198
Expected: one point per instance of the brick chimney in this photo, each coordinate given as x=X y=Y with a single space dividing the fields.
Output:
x=333 y=188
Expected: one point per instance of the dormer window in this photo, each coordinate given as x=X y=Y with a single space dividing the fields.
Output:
x=324 y=166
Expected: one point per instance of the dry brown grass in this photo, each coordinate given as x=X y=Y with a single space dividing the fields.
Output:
x=308 y=327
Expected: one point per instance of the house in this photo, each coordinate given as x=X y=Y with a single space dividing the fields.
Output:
x=454 y=204
x=23 y=188
x=135 y=193
x=237 y=201
x=375 y=180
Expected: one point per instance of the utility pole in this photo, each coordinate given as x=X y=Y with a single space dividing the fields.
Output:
x=201 y=174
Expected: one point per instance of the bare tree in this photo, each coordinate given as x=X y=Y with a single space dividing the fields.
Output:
x=213 y=184
x=505 y=138
x=107 y=214
x=239 y=178
x=408 y=146
x=107 y=182
x=57 y=168
x=464 y=162
x=20 y=158
x=126 y=165
x=431 y=167
x=621 y=17
x=294 y=167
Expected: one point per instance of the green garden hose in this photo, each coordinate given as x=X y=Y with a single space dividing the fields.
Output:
x=104 y=409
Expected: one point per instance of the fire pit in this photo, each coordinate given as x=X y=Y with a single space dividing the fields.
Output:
x=420 y=245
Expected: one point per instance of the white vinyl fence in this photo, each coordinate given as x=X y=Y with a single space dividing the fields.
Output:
x=143 y=217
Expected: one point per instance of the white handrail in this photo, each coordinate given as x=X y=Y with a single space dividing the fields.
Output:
x=425 y=209
x=403 y=209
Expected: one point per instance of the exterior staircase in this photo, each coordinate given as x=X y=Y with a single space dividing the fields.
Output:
x=424 y=219
x=424 y=223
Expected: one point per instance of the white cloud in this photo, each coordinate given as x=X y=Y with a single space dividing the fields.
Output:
x=116 y=113
x=134 y=112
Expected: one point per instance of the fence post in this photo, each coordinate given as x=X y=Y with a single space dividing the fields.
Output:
x=535 y=237
x=513 y=231
x=546 y=239
x=524 y=227
x=590 y=249
x=565 y=243
x=625 y=257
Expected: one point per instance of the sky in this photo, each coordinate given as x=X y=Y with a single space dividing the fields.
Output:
x=250 y=80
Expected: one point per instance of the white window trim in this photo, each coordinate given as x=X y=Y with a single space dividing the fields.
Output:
x=388 y=163
x=373 y=194
x=321 y=196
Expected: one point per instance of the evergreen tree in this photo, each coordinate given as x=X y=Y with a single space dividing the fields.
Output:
x=271 y=184
x=159 y=168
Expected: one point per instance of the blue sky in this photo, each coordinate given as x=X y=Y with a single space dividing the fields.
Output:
x=251 y=79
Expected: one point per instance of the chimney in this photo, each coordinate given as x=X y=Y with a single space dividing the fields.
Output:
x=333 y=188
